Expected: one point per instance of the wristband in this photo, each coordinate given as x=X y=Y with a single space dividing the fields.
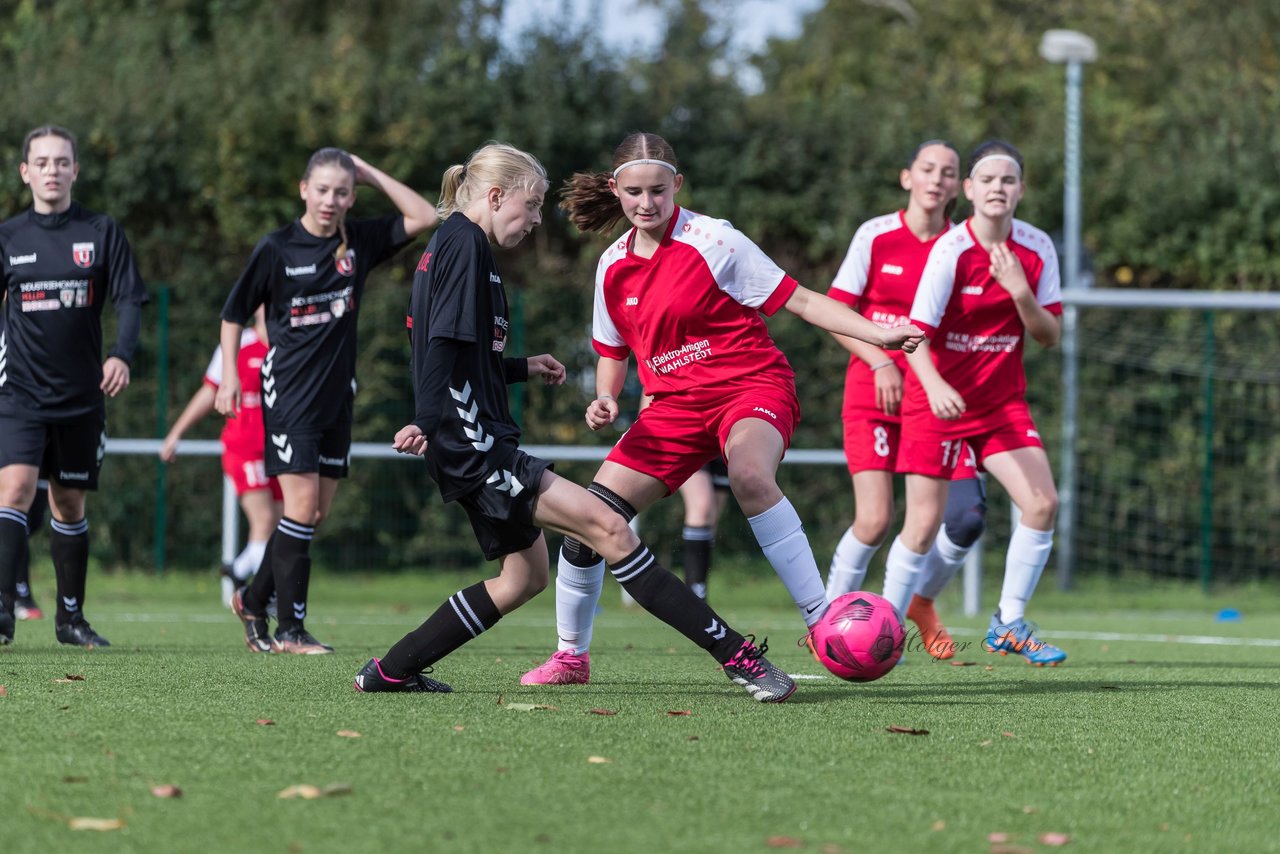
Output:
x=886 y=363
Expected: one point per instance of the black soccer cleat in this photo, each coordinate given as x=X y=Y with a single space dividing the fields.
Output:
x=6 y=625
x=257 y=634
x=763 y=681
x=298 y=641
x=371 y=679
x=78 y=632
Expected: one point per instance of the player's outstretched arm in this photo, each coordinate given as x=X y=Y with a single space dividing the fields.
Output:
x=823 y=312
x=200 y=405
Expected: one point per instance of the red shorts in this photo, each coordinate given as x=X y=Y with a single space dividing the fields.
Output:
x=873 y=445
x=678 y=433
x=936 y=448
x=249 y=473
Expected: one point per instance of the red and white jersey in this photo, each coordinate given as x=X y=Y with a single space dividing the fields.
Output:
x=691 y=313
x=243 y=434
x=975 y=334
x=878 y=277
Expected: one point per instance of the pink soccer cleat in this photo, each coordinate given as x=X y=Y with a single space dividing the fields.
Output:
x=562 y=668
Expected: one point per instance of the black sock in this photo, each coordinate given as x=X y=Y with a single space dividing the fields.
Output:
x=462 y=617
x=69 y=547
x=291 y=564
x=263 y=586
x=13 y=543
x=697 y=558
x=661 y=594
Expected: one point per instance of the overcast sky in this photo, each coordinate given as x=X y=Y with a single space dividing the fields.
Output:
x=634 y=27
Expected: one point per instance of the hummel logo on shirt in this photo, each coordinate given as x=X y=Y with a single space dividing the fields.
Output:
x=891 y=269
x=308 y=270
x=494 y=278
x=15 y=260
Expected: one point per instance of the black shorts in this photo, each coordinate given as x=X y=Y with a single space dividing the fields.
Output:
x=501 y=511
x=68 y=452
x=325 y=450
x=719 y=472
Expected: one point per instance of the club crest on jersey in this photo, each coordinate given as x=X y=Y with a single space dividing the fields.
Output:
x=346 y=266
x=82 y=254
x=67 y=296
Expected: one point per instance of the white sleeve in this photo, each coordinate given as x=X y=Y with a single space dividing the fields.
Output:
x=852 y=275
x=937 y=281
x=213 y=374
x=1049 y=288
x=740 y=268
x=602 y=327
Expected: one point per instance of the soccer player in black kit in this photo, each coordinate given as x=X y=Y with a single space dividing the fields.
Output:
x=61 y=263
x=463 y=426
x=310 y=274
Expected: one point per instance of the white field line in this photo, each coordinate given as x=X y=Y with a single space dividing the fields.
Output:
x=410 y=620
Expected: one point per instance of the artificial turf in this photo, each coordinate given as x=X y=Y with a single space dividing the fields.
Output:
x=1158 y=734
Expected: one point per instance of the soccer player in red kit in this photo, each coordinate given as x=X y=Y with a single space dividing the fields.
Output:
x=878 y=278
x=463 y=427
x=685 y=293
x=987 y=284
x=243 y=449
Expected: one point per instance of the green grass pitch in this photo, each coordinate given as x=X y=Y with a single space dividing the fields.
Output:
x=1159 y=734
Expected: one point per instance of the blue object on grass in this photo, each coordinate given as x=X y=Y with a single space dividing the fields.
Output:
x=1229 y=615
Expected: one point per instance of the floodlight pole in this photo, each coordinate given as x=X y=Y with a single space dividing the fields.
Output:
x=1072 y=49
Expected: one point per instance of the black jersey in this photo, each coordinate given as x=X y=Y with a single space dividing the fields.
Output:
x=459 y=308
x=59 y=270
x=312 y=299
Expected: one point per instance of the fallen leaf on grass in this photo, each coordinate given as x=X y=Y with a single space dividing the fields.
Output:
x=459 y=728
x=348 y=733
x=997 y=837
x=71 y=677
x=83 y=823
x=906 y=730
x=265 y=722
x=963 y=663
x=690 y=738
x=988 y=667
x=1030 y=810
x=1008 y=734
x=986 y=743
x=1010 y=849
x=531 y=707
x=4 y=692
x=679 y=713
x=303 y=790
x=1054 y=839
x=939 y=825
x=831 y=848
x=605 y=712
x=166 y=791
x=783 y=842
x=598 y=760
x=308 y=792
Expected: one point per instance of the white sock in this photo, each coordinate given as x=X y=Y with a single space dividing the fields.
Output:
x=577 y=594
x=248 y=561
x=941 y=565
x=901 y=572
x=781 y=536
x=849 y=565
x=1028 y=553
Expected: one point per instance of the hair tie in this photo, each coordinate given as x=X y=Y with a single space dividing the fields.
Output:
x=646 y=161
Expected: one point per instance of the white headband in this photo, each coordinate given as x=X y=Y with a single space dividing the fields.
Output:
x=974 y=170
x=644 y=162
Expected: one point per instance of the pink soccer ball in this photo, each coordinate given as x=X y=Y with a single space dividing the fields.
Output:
x=860 y=638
